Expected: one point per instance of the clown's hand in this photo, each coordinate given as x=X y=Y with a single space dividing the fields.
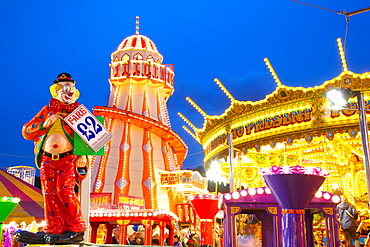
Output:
x=50 y=120
x=81 y=161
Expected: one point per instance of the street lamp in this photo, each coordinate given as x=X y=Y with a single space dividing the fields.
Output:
x=339 y=99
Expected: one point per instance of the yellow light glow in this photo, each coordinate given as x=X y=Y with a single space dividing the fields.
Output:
x=191 y=133
x=342 y=55
x=196 y=106
x=272 y=71
x=228 y=94
x=187 y=121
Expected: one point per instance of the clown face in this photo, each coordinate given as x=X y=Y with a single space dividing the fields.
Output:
x=66 y=92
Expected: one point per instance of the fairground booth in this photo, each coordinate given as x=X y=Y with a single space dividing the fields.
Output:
x=149 y=219
x=258 y=204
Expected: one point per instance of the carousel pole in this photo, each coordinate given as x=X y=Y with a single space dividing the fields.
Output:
x=364 y=137
x=231 y=169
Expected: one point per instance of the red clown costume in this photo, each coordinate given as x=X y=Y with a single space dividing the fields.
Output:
x=58 y=165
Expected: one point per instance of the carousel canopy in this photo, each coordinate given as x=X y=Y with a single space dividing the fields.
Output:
x=30 y=208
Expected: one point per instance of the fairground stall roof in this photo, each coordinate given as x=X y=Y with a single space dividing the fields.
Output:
x=31 y=205
x=292 y=125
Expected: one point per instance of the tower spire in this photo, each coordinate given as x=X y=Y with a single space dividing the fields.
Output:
x=137 y=25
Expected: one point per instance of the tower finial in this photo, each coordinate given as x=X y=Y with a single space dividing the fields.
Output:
x=137 y=27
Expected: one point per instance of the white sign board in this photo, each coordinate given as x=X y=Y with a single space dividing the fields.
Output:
x=88 y=127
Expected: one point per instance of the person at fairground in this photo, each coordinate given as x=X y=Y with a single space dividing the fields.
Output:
x=58 y=165
x=192 y=242
x=176 y=241
x=347 y=216
x=131 y=240
x=116 y=235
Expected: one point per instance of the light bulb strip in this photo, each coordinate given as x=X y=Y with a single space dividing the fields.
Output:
x=196 y=107
x=190 y=133
x=187 y=121
x=272 y=71
x=228 y=94
x=342 y=55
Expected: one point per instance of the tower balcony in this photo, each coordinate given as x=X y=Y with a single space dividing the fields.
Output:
x=138 y=69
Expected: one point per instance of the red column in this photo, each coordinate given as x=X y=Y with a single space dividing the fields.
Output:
x=108 y=238
x=94 y=232
x=161 y=233
x=170 y=235
x=148 y=233
x=123 y=235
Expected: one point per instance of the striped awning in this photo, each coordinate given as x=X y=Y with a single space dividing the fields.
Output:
x=31 y=206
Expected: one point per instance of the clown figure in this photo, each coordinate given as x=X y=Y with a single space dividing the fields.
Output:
x=58 y=166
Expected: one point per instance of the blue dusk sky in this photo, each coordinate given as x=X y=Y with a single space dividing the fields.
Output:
x=203 y=39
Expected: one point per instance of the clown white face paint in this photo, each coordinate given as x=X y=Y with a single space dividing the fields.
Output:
x=66 y=94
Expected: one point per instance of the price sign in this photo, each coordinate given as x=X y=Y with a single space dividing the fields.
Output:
x=85 y=124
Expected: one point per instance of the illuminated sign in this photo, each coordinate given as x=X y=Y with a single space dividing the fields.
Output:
x=183 y=177
x=88 y=127
x=130 y=202
x=348 y=112
x=264 y=124
x=173 y=178
x=100 y=200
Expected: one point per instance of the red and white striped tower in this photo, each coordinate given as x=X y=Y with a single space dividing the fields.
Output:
x=137 y=116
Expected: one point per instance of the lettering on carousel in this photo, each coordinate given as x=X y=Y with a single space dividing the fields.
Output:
x=284 y=119
x=347 y=112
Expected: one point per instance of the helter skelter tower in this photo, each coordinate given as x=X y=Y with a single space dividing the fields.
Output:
x=137 y=116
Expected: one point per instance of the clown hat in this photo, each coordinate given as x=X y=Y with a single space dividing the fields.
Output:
x=64 y=77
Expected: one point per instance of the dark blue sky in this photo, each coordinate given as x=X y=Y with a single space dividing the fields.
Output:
x=204 y=40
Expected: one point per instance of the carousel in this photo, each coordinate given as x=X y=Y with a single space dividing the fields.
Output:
x=289 y=127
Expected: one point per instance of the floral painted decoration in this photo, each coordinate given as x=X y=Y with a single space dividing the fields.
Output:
x=309 y=170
